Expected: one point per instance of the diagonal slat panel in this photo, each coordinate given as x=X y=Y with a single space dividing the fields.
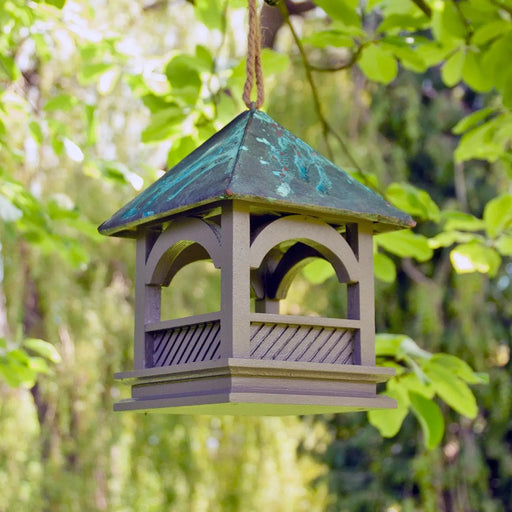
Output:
x=342 y=347
x=192 y=343
x=301 y=343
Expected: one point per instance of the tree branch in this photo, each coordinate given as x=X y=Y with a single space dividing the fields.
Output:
x=421 y=4
x=326 y=127
x=353 y=59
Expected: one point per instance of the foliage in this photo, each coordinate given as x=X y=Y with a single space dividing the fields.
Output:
x=87 y=114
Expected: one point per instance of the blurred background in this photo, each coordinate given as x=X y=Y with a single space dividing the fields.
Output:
x=97 y=100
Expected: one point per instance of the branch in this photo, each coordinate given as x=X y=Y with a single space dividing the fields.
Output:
x=272 y=19
x=353 y=59
x=421 y=4
x=326 y=127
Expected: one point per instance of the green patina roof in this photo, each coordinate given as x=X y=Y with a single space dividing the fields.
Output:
x=256 y=159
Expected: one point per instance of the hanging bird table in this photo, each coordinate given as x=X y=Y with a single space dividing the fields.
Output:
x=260 y=204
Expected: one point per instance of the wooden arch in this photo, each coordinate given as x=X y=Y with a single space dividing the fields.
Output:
x=184 y=241
x=314 y=238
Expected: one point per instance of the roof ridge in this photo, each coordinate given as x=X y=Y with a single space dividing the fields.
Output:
x=250 y=116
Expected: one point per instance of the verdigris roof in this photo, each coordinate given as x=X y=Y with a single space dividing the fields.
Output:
x=254 y=158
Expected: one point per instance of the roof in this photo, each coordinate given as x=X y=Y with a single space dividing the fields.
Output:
x=255 y=159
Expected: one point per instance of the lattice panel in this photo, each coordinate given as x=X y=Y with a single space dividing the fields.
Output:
x=187 y=344
x=312 y=344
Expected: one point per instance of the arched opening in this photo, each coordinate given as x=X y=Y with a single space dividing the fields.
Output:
x=194 y=290
x=315 y=291
x=303 y=280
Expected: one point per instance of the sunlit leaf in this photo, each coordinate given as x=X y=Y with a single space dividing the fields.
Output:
x=451 y=389
x=389 y=421
x=340 y=10
x=430 y=418
x=378 y=64
x=475 y=257
x=405 y=244
x=498 y=214
x=462 y=221
x=43 y=348
x=413 y=200
x=318 y=271
x=384 y=268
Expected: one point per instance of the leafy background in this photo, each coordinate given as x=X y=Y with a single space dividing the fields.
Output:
x=98 y=99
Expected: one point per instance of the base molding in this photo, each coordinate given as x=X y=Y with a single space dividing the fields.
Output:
x=255 y=388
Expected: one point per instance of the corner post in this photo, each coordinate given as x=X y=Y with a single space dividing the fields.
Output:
x=235 y=280
x=147 y=302
x=361 y=295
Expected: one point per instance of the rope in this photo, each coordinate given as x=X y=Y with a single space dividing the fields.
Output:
x=254 y=70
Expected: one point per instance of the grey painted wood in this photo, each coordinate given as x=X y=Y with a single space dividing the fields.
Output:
x=179 y=322
x=318 y=321
x=325 y=238
x=178 y=236
x=235 y=279
x=147 y=303
x=361 y=296
x=296 y=387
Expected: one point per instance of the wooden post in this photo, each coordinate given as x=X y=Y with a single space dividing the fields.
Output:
x=269 y=306
x=235 y=280
x=147 y=303
x=360 y=295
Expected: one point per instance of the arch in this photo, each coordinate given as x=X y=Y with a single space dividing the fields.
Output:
x=183 y=242
x=312 y=234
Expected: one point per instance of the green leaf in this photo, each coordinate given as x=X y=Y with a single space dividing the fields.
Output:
x=504 y=245
x=481 y=142
x=430 y=418
x=324 y=38
x=454 y=219
x=411 y=382
x=43 y=348
x=458 y=367
x=472 y=120
x=475 y=74
x=210 y=13
x=475 y=257
x=56 y=3
x=39 y=365
x=451 y=72
x=398 y=346
x=180 y=149
x=408 y=56
x=8 y=69
x=342 y=11
x=163 y=125
x=490 y=31
x=498 y=214
x=318 y=271
x=181 y=72
x=60 y=102
x=397 y=23
x=378 y=64
x=90 y=72
x=413 y=200
x=36 y=131
x=448 y=238
x=204 y=58
x=389 y=421
x=384 y=268
x=451 y=389
x=452 y=21
x=274 y=63
x=405 y=244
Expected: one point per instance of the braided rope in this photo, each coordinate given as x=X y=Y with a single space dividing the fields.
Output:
x=254 y=69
